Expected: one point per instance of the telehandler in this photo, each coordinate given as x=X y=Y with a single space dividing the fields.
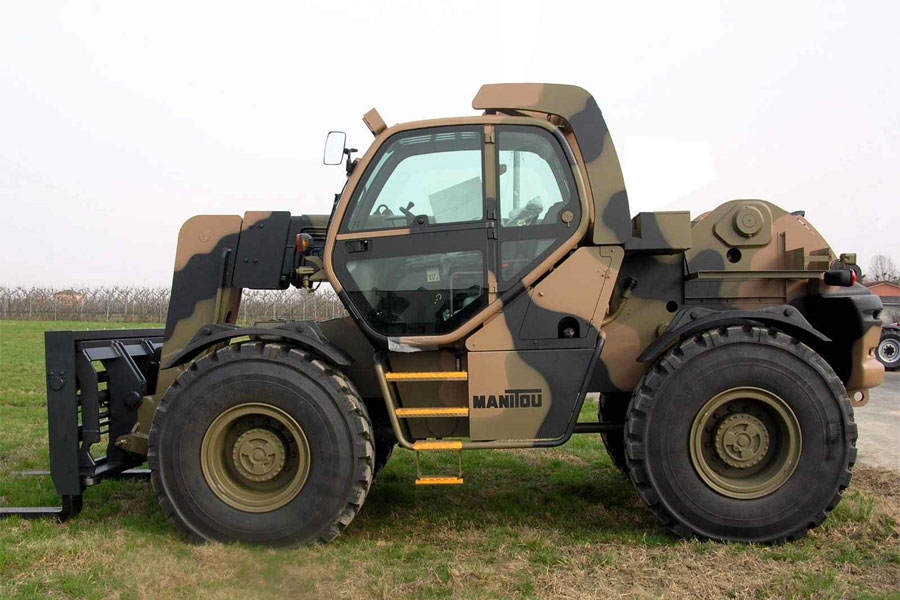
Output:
x=494 y=277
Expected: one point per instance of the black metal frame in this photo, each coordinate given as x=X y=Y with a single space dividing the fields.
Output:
x=95 y=384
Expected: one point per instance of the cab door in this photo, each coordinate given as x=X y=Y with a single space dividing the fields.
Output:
x=414 y=247
x=446 y=220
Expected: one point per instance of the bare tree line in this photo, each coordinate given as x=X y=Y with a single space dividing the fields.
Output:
x=150 y=304
x=882 y=268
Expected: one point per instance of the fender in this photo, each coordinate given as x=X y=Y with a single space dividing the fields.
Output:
x=304 y=334
x=693 y=320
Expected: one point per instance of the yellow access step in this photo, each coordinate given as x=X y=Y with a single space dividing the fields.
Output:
x=437 y=445
x=439 y=481
x=427 y=376
x=437 y=411
x=432 y=445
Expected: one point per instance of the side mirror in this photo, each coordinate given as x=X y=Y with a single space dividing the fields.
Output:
x=334 y=147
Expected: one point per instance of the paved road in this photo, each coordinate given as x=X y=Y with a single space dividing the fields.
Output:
x=879 y=425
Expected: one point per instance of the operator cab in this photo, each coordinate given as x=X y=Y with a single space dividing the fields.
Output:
x=457 y=245
x=444 y=219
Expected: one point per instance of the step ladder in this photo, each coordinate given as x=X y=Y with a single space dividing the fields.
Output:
x=438 y=446
x=432 y=412
x=427 y=376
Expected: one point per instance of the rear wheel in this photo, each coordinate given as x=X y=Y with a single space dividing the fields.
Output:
x=261 y=443
x=741 y=434
x=888 y=351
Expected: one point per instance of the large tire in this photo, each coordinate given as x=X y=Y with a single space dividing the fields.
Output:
x=613 y=409
x=261 y=443
x=888 y=351
x=741 y=434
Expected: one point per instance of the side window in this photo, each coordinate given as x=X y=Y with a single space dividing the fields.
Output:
x=538 y=199
x=426 y=294
x=535 y=183
x=424 y=177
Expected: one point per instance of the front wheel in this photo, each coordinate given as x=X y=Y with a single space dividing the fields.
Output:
x=741 y=434
x=261 y=443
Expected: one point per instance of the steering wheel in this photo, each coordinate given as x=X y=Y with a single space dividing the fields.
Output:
x=382 y=210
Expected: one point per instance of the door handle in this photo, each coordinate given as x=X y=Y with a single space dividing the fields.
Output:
x=353 y=246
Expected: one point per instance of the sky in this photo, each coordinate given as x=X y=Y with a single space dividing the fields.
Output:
x=120 y=120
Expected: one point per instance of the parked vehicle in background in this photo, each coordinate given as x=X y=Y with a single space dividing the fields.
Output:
x=888 y=352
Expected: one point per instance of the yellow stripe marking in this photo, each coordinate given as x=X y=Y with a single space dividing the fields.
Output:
x=428 y=376
x=432 y=412
x=439 y=481
x=438 y=445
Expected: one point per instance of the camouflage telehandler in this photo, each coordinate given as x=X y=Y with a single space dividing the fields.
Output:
x=494 y=277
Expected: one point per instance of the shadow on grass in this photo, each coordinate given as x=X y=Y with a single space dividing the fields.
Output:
x=578 y=494
x=536 y=489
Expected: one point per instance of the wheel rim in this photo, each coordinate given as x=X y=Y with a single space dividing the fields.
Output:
x=255 y=457
x=745 y=442
x=889 y=350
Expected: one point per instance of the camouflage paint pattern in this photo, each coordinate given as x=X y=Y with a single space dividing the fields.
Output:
x=205 y=245
x=202 y=292
x=722 y=243
x=661 y=233
x=591 y=270
x=518 y=354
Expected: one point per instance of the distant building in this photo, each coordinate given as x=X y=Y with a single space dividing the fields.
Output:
x=68 y=298
x=888 y=291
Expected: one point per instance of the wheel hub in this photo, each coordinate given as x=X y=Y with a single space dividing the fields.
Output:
x=888 y=350
x=255 y=457
x=742 y=440
x=258 y=455
x=745 y=443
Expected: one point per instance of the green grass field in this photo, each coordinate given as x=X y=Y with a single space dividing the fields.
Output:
x=561 y=523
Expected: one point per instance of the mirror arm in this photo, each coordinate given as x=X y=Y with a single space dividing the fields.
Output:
x=350 y=164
